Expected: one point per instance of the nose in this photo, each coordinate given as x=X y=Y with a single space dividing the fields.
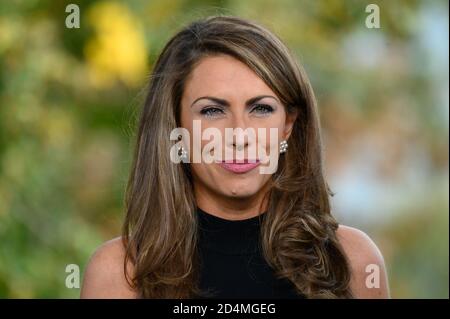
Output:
x=240 y=146
x=240 y=138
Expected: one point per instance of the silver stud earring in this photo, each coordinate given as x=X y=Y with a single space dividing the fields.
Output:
x=283 y=146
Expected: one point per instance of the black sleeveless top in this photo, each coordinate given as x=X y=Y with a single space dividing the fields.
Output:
x=232 y=263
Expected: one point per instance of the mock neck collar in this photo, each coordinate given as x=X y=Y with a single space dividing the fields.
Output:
x=231 y=237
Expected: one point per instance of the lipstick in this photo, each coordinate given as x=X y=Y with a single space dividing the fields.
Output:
x=239 y=166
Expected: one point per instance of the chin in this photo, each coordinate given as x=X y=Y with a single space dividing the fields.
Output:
x=240 y=189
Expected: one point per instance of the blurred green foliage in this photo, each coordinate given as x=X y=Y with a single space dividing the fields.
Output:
x=69 y=98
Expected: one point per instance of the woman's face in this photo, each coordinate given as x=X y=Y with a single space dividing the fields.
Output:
x=222 y=92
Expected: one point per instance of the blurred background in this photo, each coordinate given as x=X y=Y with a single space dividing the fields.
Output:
x=69 y=97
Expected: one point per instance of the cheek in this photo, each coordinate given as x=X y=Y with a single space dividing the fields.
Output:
x=273 y=134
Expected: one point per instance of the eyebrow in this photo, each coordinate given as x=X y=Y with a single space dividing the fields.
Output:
x=226 y=103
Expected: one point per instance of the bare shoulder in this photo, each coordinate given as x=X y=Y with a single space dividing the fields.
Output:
x=369 y=278
x=104 y=275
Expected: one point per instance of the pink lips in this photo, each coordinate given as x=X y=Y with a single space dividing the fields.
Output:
x=239 y=166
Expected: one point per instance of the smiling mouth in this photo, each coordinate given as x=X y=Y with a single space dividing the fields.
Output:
x=239 y=166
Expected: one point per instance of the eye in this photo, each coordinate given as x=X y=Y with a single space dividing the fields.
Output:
x=262 y=109
x=211 y=111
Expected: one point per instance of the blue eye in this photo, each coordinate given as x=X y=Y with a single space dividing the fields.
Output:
x=211 y=111
x=262 y=109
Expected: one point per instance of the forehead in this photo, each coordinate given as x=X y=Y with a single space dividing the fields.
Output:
x=225 y=77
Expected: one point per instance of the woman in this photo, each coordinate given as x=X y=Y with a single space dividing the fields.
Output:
x=224 y=228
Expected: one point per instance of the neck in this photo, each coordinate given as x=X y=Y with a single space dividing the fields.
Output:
x=232 y=208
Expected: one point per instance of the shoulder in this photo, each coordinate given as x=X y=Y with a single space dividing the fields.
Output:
x=104 y=275
x=368 y=278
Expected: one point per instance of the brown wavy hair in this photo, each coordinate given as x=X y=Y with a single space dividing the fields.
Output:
x=160 y=229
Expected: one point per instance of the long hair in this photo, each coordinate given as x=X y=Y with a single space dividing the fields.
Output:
x=160 y=229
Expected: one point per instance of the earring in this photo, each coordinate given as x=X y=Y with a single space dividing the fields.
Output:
x=283 y=146
x=182 y=153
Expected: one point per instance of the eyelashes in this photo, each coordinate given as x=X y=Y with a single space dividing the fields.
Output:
x=263 y=109
x=258 y=109
x=211 y=111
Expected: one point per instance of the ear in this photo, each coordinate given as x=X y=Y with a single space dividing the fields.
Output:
x=291 y=117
